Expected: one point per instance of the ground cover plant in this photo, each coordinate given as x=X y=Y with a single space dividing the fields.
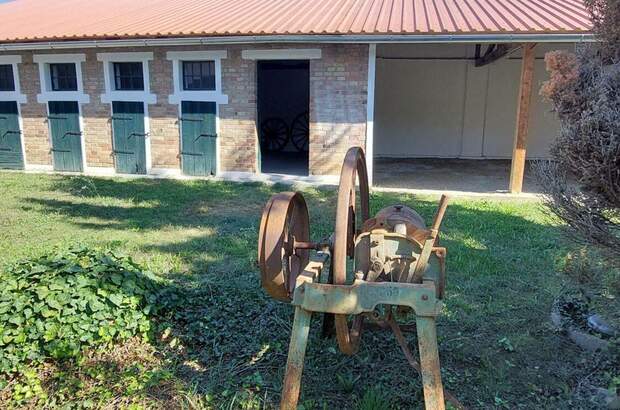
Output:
x=55 y=306
x=220 y=342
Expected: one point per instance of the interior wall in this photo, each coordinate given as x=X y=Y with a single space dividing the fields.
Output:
x=431 y=101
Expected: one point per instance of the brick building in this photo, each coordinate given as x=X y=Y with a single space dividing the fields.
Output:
x=238 y=88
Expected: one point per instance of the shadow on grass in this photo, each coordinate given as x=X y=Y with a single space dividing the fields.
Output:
x=495 y=345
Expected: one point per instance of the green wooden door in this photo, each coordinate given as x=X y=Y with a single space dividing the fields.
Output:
x=64 y=122
x=129 y=137
x=10 y=141
x=198 y=138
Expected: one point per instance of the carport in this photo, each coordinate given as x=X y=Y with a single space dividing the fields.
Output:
x=460 y=116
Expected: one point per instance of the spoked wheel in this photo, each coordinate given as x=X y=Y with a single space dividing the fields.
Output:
x=348 y=218
x=273 y=134
x=300 y=132
x=284 y=222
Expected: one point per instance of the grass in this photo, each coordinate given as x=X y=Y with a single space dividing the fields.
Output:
x=226 y=348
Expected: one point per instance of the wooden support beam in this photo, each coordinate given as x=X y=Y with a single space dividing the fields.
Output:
x=523 y=119
x=493 y=53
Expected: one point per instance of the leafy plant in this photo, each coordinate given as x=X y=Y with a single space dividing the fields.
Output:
x=54 y=306
x=374 y=399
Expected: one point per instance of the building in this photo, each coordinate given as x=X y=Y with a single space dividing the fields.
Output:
x=234 y=88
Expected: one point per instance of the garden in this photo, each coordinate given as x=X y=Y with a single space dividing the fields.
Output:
x=140 y=293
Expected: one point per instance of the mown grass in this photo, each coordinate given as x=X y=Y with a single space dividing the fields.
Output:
x=226 y=347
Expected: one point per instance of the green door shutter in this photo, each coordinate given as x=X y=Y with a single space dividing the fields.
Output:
x=64 y=122
x=10 y=142
x=198 y=138
x=129 y=137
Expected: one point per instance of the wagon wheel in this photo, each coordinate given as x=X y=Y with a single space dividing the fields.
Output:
x=284 y=221
x=300 y=131
x=274 y=134
x=348 y=218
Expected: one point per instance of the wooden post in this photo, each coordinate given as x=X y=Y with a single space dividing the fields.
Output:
x=523 y=119
x=295 y=361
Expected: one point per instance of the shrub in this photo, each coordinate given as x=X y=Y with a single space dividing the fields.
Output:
x=54 y=306
x=584 y=90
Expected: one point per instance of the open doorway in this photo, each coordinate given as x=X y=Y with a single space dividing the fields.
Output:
x=283 y=94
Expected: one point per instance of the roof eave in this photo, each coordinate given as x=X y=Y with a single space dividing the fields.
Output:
x=311 y=38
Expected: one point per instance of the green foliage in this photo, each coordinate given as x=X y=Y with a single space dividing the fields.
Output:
x=54 y=306
x=374 y=399
x=202 y=236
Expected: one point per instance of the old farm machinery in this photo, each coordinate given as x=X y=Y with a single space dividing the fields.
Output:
x=378 y=267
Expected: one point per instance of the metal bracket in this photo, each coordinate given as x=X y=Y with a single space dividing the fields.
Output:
x=138 y=134
x=364 y=296
x=205 y=136
x=115 y=152
x=72 y=133
x=10 y=132
x=190 y=119
x=193 y=154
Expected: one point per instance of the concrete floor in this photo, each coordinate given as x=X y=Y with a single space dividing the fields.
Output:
x=457 y=175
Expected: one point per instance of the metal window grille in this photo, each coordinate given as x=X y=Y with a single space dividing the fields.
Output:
x=128 y=76
x=6 y=78
x=63 y=77
x=199 y=75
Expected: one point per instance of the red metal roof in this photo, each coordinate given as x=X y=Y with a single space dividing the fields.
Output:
x=38 y=20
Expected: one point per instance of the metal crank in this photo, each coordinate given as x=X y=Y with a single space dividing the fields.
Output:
x=396 y=261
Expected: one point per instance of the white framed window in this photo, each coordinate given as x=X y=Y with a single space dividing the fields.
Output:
x=126 y=77
x=60 y=76
x=197 y=76
x=10 y=89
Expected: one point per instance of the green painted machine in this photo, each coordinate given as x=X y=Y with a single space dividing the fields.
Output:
x=376 y=268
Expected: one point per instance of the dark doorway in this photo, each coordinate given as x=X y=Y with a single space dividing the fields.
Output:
x=283 y=119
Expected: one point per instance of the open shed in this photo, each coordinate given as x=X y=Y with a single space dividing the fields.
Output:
x=475 y=104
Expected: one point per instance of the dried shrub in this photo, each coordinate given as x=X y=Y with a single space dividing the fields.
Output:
x=584 y=90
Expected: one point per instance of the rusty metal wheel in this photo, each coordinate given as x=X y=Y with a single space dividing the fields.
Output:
x=285 y=221
x=274 y=134
x=349 y=219
x=300 y=131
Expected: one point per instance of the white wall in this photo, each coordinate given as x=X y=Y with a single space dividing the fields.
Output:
x=430 y=101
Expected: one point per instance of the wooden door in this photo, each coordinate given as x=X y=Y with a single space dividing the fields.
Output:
x=198 y=138
x=129 y=137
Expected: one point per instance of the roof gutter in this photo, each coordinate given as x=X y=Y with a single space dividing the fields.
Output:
x=318 y=38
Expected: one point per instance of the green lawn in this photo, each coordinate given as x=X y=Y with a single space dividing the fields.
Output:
x=227 y=345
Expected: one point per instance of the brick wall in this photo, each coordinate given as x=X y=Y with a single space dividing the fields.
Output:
x=337 y=108
x=338 y=94
x=96 y=115
x=239 y=137
x=34 y=115
x=163 y=117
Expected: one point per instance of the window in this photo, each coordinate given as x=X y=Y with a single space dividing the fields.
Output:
x=128 y=76
x=6 y=78
x=63 y=77
x=198 y=75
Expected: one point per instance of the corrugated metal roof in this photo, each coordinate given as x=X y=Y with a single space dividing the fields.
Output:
x=38 y=20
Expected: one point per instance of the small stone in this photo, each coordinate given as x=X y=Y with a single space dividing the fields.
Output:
x=598 y=324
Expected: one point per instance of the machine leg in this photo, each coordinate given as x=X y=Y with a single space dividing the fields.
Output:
x=295 y=362
x=429 y=363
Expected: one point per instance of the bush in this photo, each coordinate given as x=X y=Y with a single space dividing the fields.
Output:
x=584 y=90
x=54 y=306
